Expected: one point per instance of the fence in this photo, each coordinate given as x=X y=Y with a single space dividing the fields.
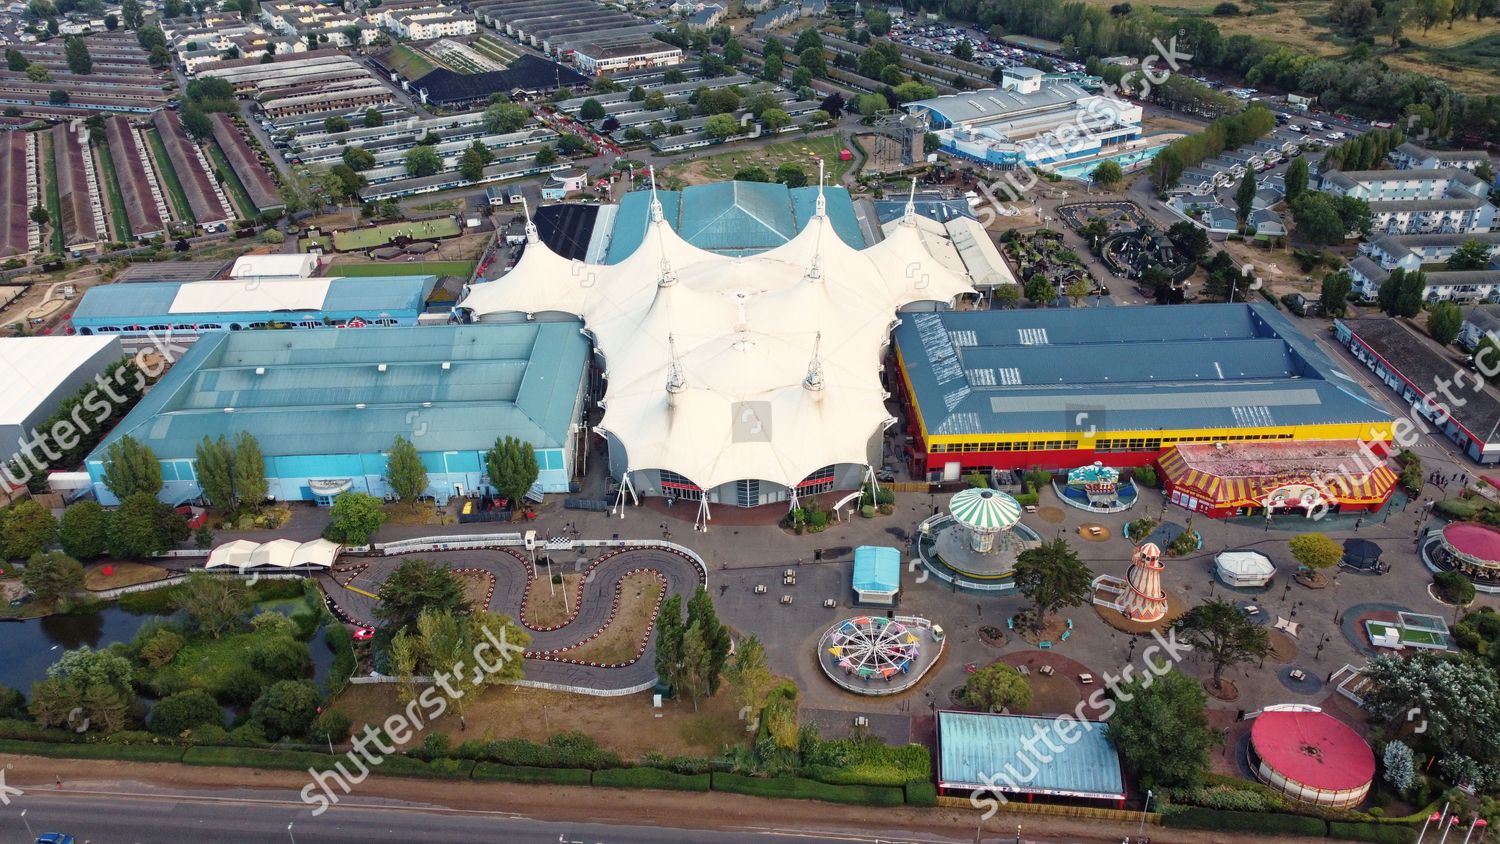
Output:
x=511 y=540
x=381 y=679
x=1052 y=809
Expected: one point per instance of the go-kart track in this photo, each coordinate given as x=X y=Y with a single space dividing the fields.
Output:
x=547 y=661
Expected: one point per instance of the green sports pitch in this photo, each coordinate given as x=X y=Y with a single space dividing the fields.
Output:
x=357 y=239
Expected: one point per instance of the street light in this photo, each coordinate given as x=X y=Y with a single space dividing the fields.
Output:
x=29 y=833
x=1140 y=833
x=289 y=832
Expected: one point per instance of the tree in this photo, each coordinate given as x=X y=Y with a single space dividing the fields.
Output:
x=1052 y=576
x=131 y=14
x=40 y=215
x=203 y=537
x=77 y=54
x=721 y=126
x=751 y=674
x=176 y=714
x=1160 y=729
x=1316 y=551
x=1444 y=321
x=280 y=657
x=84 y=530
x=963 y=50
x=1400 y=766
x=1454 y=587
x=871 y=104
x=216 y=605
x=997 y=687
x=307 y=188
x=131 y=467
x=415 y=585
x=215 y=469
x=15 y=59
x=59 y=97
x=1295 y=178
x=771 y=71
x=422 y=161
x=1458 y=705
x=404 y=471
x=1470 y=255
x=591 y=110
x=792 y=175
x=734 y=53
x=1333 y=296
x=25 y=529
x=334 y=124
x=775 y=119
x=38 y=73
x=1225 y=634
x=752 y=174
x=1317 y=220
x=442 y=641
x=196 y=123
x=1040 y=290
x=716 y=639
x=1244 y=196
x=471 y=165
x=250 y=483
x=812 y=61
x=1078 y=289
x=52 y=576
x=1108 y=173
x=505 y=117
x=160 y=647
x=85 y=690
x=358 y=158
x=287 y=709
x=669 y=632
x=373 y=118
x=144 y=527
x=511 y=467
x=1401 y=293
x=354 y=518
x=546 y=156
x=1190 y=239
x=1006 y=296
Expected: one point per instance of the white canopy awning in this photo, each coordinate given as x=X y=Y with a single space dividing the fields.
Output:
x=724 y=368
x=276 y=554
x=1244 y=565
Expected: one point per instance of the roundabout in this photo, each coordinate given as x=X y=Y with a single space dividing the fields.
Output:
x=874 y=655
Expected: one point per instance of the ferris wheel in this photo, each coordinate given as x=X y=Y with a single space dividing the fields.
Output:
x=871 y=646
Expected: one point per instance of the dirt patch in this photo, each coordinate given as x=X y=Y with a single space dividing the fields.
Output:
x=478 y=586
x=627 y=725
x=635 y=613
x=1050 y=632
x=1283 y=648
x=1227 y=690
x=120 y=574
x=408 y=514
x=1094 y=533
x=1051 y=515
x=550 y=604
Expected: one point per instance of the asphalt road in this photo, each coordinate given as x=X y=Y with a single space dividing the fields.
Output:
x=105 y=818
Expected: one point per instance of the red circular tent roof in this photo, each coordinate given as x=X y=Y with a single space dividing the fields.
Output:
x=1475 y=540
x=1314 y=749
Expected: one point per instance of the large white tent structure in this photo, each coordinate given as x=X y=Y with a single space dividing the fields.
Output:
x=735 y=379
x=280 y=554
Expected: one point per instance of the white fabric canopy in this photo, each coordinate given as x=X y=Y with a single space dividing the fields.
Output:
x=773 y=360
x=1244 y=566
x=278 y=553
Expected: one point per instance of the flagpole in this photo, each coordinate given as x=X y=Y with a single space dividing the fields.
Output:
x=1424 y=827
x=1452 y=822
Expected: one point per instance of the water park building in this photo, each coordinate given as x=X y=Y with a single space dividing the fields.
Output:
x=325 y=406
x=1062 y=388
x=980 y=752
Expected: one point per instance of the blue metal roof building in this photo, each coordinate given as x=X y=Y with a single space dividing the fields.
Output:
x=325 y=406
x=877 y=574
x=1016 y=754
x=189 y=306
x=1059 y=388
x=732 y=218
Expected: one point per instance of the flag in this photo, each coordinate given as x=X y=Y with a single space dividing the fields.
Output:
x=1435 y=817
x=1481 y=823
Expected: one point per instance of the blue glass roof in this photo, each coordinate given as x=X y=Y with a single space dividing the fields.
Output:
x=732 y=218
x=299 y=392
x=981 y=751
x=877 y=568
x=144 y=301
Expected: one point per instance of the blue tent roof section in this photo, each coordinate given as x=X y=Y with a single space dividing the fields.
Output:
x=118 y=301
x=152 y=301
x=1180 y=366
x=326 y=393
x=732 y=218
x=877 y=568
x=978 y=750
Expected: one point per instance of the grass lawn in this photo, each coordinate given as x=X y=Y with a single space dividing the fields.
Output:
x=357 y=239
x=462 y=269
x=409 y=63
x=545 y=601
x=802 y=151
x=124 y=574
x=495 y=49
x=444 y=206
x=117 y=216
x=169 y=175
x=622 y=638
x=232 y=182
x=626 y=725
x=54 y=200
x=205 y=663
x=322 y=240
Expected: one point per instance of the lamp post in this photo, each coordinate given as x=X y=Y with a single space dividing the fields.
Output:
x=289 y=832
x=1018 y=834
x=1141 y=832
x=29 y=833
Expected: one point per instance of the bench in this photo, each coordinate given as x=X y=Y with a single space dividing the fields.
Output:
x=1046 y=671
x=1298 y=674
x=786 y=599
x=830 y=603
x=1086 y=679
x=760 y=589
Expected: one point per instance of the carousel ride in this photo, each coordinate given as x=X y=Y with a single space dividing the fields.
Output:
x=875 y=655
x=978 y=540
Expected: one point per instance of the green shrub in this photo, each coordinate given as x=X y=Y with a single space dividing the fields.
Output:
x=1191 y=817
x=341 y=642
x=805 y=789
x=1380 y=833
x=259 y=757
x=518 y=773
x=122 y=752
x=921 y=794
x=162 y=601
x=564 y=750
x=1028 y=499
x=1144 y=475
x=1457 y=508
x=185 y=710
x=651 y=778
x=442 y=769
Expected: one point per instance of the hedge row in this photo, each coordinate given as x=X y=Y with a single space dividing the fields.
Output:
x=804 y=789
x=121 y=752
x=521 y=773
x=651 y=778
x=1193 y=817
x=921 y=794
x=1379 y=833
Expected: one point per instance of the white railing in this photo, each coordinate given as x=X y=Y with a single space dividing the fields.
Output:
x=472 y=542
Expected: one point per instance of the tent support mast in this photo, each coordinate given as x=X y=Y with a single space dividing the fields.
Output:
x=701 y=521
x=625 y=484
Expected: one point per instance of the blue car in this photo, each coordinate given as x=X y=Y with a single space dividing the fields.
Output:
x=54 y=838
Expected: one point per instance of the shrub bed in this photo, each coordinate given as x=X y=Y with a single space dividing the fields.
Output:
x=921 y=794
x=1380 y=833
x=805 y=789
x=122 y=752
x=521 y=773
x=651 y=778
x=1192 y=817
x=257 y=757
